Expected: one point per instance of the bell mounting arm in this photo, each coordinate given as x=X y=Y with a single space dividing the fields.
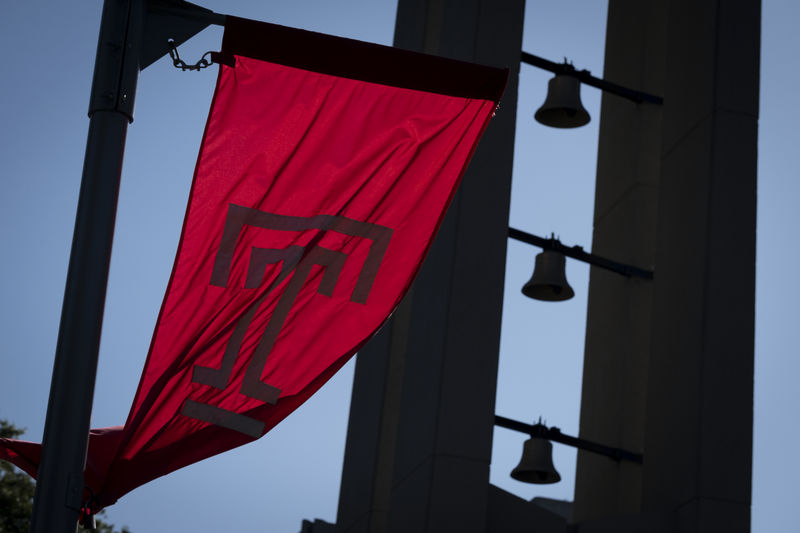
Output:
x=586 y=77
x=554 y=434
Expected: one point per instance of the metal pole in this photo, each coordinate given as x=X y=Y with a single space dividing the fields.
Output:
x=577 y=252
x=60 y=486
x=554 y=434
x=586 y=77
x=618 y=454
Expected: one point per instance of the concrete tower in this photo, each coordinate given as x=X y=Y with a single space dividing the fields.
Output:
x=669 y=363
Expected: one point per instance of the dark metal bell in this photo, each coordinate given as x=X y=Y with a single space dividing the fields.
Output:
x=536 y=464
x=563 y=108
x=549 y=279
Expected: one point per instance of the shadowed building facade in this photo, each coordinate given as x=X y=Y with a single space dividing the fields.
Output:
x=668 y=366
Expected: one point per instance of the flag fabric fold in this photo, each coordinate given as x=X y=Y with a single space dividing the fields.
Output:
x=325 y=169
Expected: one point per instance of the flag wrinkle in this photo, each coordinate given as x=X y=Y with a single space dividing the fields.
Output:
x=319 y=187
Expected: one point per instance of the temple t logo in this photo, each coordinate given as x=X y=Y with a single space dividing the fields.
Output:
x=296 y=261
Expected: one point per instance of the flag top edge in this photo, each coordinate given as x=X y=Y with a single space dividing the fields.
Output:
x=350 y=58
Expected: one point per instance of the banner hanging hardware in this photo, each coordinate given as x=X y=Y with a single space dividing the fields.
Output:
x=181 y=64
x=87 y=514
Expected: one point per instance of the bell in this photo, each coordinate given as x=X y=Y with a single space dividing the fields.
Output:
x=549 y=280
x=563 y=108
x=536 y=465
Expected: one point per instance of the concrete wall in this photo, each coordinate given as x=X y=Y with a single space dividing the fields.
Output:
x=619 y=317
x=508 y=513
x=669 y=368
x=668 y=364
x=419 y=437
x=698 y=444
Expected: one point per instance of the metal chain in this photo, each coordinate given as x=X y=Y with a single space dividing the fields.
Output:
x=181 y=64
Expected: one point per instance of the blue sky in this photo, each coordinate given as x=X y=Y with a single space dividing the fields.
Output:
x=294 y=471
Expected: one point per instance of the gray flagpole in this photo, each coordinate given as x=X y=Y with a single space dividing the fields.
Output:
x=60 y=487
x=133 y=34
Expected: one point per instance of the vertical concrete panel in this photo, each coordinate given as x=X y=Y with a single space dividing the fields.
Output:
x=421 y=462
x=619 y=309
x=359 y=468
x=445 y=427
x=727 y=404
x=675 y=382
x=698 y=452
x=371 y=434
x=669 y=368
x=713 y=515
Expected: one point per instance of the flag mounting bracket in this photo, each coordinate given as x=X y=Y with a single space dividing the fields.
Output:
x=181 y=64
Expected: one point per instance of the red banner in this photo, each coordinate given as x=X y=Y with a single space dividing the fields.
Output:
x=325 y=169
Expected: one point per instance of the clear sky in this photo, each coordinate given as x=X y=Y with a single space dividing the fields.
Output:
x=294 y=471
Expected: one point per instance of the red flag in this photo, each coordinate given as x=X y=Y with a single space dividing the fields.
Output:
x=326 y=167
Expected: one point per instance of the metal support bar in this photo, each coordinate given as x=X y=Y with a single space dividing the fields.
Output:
x=617 y=454
x=173 y=20
x=522 y=427
x=554 y=434
x=584 y=76
x=186 y=11
x=577 y=252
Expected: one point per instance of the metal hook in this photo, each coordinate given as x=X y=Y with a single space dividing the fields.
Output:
x=181 y=64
